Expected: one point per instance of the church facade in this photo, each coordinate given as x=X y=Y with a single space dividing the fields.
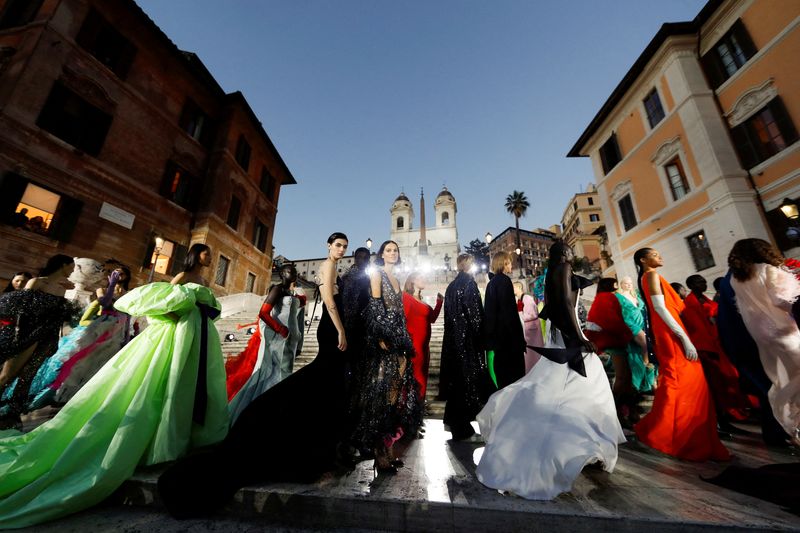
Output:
x=426 y=247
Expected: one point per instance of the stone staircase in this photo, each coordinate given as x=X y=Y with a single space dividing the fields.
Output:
x=310 y=348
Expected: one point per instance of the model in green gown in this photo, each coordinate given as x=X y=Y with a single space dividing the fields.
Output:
x=139 y=409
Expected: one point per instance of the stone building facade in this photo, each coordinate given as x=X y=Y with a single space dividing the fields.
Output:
x=433 y=246
x=583 y=228
x=697 y=147
x=110 y=136
x=534 y=249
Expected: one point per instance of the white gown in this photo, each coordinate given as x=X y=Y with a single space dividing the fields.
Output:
x=765 y=303
x=541 y=430
x=275 y=356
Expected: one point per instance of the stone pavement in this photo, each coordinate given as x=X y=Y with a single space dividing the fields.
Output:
x=438 y=491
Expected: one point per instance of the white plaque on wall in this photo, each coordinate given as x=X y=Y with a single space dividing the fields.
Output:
x=117 y=215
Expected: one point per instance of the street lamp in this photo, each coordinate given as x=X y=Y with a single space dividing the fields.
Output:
x=489 y=238
x=447 y=262
x=369 y=243
x=157 y=253
x=519 y=260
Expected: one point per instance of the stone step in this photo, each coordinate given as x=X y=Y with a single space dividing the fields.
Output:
x=437 y=491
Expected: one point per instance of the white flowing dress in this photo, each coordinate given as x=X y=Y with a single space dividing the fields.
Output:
x=765 y=303
x=541 y=430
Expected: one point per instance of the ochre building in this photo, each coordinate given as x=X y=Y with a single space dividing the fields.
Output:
x=697 y=147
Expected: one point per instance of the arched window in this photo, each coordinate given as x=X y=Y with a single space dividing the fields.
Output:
x=445 y=219
x=400 y=223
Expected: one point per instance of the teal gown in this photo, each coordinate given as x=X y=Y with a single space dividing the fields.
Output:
x=137 y=410
x=642 y=377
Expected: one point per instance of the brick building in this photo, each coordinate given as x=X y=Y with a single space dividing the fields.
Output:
x=110 y=136
x=534 y=249
x=697 y=146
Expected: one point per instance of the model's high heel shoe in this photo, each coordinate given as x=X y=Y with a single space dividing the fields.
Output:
x=382 y=464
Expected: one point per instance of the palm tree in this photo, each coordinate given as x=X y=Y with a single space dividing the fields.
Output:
x=517 y=204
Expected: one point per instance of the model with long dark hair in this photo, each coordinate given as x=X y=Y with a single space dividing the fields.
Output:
x=160 y=395
x=544 y=428
x=682 y=421
x=291 y=432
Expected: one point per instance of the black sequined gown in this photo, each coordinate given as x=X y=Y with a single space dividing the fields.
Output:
x=388 y=391
x=30 y=317
x=289 y=433
x=464 y=379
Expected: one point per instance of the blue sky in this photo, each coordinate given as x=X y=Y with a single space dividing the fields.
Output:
x=364 y=99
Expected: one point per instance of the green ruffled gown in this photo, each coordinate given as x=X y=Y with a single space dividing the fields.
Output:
x=137 y=410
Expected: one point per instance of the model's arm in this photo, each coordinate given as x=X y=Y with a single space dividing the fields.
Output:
x=375 y=292
x=437 y=309
x=265 y=313
x=660 y=307
x=328 y=275
x=178 y=280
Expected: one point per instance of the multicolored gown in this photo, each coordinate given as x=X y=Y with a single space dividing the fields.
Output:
x=149 y=404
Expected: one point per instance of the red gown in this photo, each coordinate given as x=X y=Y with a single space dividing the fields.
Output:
x=239 y=368
x=682 y=422
x=419 y=317
x=723 y=378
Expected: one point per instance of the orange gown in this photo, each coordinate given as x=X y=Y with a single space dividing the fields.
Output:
x=682 y=422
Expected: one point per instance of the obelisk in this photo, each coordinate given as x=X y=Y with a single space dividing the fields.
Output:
x=423 y=239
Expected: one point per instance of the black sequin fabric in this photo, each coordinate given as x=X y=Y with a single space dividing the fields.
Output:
x=31 y=316
x=388 y=394
x=464 y=376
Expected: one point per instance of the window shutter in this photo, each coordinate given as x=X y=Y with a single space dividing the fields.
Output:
x=743 y=38
x=65 y=219
x=783 y=120
x=712 y=68
x=125 y=61
x=12 y=187
x=148 y=251
x=743 y=146
x=178 y=257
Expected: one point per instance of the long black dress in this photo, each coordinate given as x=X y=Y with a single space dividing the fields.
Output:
x=503 y=330
x=29 y=317
x=464 y=379
x=289 y=433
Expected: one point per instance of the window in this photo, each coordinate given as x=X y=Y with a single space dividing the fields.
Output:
x=700 y=250
x=652 y=105
x=626 y=211
x=676 y=177
x=260 y=235
x=160 y=260
x=400 y=223
x=243 y=151
x=267 y=184
x=19 y=13
x=196 y=123
x=74 y=120
x=764 y=134
x=250 y=284
x=730 y=53
x=591 y=201
x=594 y=218
x=222 y=271
x=233 y=212
x=34 y=208
x=575 y=205
x=445 y=219
x=106 y=44
x=180 y=187
x=610 y=154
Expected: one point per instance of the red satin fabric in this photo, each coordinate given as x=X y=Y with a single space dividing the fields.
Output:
x=682 y=422
x=240 y=368
x=606 y=312
x=419 y=317
x=722 y=376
